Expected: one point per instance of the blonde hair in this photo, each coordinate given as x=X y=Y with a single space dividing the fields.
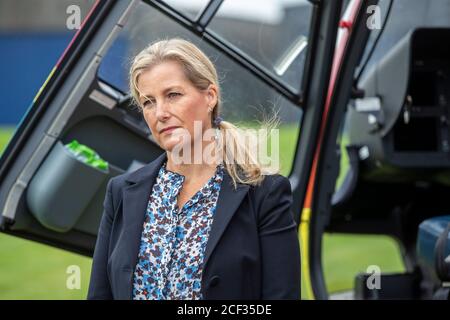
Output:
x=201 y=72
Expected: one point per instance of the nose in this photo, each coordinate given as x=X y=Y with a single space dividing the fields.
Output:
x=162 y=113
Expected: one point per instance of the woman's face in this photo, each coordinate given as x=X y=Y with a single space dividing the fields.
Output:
x=169 y=100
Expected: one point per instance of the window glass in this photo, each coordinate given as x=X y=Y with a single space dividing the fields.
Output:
x=191 y=8
x=274 y=34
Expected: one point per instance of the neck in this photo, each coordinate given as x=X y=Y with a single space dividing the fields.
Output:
x=191 y=170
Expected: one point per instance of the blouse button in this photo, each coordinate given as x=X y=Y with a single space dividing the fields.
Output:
x=214 y=281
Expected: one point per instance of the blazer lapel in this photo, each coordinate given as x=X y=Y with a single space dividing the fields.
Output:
x=135 y=199
x=227 y=204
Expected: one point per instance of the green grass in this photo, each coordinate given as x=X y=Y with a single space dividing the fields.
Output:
x=29 y=270
x=5 y=136
x=346 y=255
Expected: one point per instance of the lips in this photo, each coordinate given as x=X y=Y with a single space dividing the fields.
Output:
x=167 y=129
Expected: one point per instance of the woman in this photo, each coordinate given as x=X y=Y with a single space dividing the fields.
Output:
x=185 y=229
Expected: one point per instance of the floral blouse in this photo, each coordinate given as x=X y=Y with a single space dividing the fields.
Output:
x=173 y=241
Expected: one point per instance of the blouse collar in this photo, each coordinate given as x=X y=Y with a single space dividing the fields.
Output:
x=176 y=180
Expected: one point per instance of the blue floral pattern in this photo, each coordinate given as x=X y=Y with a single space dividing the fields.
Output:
x=173 y=241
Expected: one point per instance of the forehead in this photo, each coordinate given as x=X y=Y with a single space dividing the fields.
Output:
x=161 y=77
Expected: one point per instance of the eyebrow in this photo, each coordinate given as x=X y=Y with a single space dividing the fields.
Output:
x=164 y=91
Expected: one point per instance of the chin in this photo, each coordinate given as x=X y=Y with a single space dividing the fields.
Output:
x=169 y=143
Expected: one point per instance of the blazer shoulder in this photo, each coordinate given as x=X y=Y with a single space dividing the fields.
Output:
x=272 y=202
x=117 y=182
x=272 y=188
x=144 y=172
x=148 y=171
x=272 y=182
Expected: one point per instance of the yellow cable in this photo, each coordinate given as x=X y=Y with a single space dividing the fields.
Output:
x=304 y=232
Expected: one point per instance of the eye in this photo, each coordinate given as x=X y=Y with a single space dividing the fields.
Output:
x=174 y=94
x=148 y=103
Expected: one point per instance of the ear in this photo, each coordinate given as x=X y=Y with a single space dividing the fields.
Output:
x=212 y=95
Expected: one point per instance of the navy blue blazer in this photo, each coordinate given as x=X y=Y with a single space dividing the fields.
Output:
x=252 y=250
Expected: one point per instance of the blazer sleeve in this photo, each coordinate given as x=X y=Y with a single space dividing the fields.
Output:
x=99 y=286
x=279 y=242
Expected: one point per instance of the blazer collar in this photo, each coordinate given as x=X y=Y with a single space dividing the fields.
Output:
x=135 y=200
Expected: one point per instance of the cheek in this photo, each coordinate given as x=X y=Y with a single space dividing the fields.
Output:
x=196 y=112
x=151 y=123
x=194 y=107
